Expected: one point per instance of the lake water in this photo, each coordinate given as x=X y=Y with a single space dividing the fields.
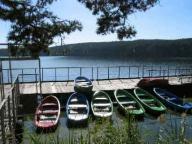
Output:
x=149 y=128
x=67 y=68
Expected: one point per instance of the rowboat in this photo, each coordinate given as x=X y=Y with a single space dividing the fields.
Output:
x=151 y=82
x=77 y=108
x=83 y=84
x=128 y=103
x=47 y=113
x=150 y=103
x=172 y=101
x=101 y=104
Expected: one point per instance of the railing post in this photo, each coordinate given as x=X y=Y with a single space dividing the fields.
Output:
x=119 y=72
x=68 y=73
x=129 y=71
x=13 y=107
x=80 y=71
x=36 y=80
x=143 y=71
x=35 y=75
x=42 y=74
x=138 y=72
x=108 y=73
x=2 y=125
x=168 y=72
x=9 y=114
x=160 y=71
x=8 y=76
x=92 y=72
x=22 y=75
x=97 y=73
x=151 y=71
x=175 y=71
x=55 y=74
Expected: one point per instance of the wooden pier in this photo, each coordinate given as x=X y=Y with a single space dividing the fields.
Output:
x=68 y=87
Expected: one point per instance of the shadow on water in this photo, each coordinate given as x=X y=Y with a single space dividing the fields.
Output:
x=79 y=125
x=47 y=130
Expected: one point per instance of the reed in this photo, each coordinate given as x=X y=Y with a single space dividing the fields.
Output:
x=174 y=133
x=104 y=131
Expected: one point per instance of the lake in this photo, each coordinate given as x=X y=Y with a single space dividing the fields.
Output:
x=150 y=128
x=71 y=65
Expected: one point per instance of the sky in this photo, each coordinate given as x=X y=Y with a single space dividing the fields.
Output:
x=169 y=19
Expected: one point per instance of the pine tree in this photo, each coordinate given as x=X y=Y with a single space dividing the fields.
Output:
x=34 y=27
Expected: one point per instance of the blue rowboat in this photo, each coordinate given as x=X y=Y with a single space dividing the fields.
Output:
x=172 y=101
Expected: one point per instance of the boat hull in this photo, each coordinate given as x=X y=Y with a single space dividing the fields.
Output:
x=101 y=105
x=83 y=85
x=77 y=108
x=172 y=101
x=152 y=105
x=47 y=113
x=126 y=102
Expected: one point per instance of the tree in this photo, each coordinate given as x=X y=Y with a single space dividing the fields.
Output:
x=113 y=15
x=34 y=27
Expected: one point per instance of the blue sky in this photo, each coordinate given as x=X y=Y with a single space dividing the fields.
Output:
x=170 y=19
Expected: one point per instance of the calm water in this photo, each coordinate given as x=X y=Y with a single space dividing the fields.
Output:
x=149 y=128
x=69 y=61
x=61 y=62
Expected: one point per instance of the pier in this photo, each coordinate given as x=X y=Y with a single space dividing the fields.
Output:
x=60 y=79
x=35 y=83
x=108 y=85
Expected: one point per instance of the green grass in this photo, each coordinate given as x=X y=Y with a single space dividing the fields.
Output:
x=105 y=131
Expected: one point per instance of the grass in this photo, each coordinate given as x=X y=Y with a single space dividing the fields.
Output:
x=104 y=131
x=174 y=133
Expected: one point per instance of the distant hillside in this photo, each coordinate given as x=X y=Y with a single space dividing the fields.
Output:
x=138 y=48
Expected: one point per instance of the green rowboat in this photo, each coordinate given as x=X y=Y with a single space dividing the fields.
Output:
x=128 y=103
x=151 y=104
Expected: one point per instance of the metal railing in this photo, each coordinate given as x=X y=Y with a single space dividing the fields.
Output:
x=8 y=111
x=95 y=73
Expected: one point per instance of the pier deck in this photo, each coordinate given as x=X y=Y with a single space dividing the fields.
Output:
x=68 y=87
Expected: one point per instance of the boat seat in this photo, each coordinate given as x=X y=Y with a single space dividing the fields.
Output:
x=100 y=98
x=47 y=112
x=101 y=104
x=161 y=94
x=44 y=117
x=131 y=107
x=128 y=102
x=147 y=100
x=101 y=109
x=83 y=83
x=171 y=99
x=74 y=100
x=121 y=96
x=77 y=106
x=141 y=94
x=49 y=104
x=73 y=112
x=77 y=111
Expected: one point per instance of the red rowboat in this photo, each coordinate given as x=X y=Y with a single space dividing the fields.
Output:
x=47 y=113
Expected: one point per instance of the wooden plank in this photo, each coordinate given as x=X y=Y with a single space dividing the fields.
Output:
x=68 y=87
